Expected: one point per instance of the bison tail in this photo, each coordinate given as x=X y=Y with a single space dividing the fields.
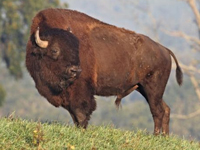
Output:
x=179 y=74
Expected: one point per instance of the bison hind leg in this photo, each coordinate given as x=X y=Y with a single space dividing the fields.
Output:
x=166 y=119
x=156 y=108
x=152 y=88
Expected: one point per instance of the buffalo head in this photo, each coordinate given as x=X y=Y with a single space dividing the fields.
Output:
x=61 y=46
x=55 y=43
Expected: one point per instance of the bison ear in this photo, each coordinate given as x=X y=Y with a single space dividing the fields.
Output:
x=39 y=42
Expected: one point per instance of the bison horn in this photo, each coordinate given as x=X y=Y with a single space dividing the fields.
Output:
x=39 y=42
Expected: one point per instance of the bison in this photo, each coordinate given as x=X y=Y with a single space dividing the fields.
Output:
x=114 y=61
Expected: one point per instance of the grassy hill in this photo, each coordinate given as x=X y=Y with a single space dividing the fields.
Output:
x=22 y=134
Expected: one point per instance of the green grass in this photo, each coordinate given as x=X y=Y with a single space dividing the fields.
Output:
x=22 y=134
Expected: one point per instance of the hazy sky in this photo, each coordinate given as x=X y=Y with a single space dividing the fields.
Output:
x=123 y=13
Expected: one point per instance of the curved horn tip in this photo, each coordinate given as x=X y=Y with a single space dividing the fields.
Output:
x=39 y=42
x=38 y=28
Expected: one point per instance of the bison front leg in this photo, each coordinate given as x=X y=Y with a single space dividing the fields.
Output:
x=82 y=118
x=78 y=116
x=72 y=114
x=83 y=111
x=82 y=103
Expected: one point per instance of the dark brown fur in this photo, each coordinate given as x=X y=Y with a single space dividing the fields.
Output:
x=55 y=67
x=113 y=61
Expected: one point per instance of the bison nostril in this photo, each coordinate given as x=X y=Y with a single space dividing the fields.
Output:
x=75 y=70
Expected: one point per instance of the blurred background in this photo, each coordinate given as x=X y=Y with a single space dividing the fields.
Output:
x=173 y=23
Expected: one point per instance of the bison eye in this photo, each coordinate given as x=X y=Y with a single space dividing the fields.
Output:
x=54 y=51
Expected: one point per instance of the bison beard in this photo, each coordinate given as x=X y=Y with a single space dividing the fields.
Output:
x=114 y=61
